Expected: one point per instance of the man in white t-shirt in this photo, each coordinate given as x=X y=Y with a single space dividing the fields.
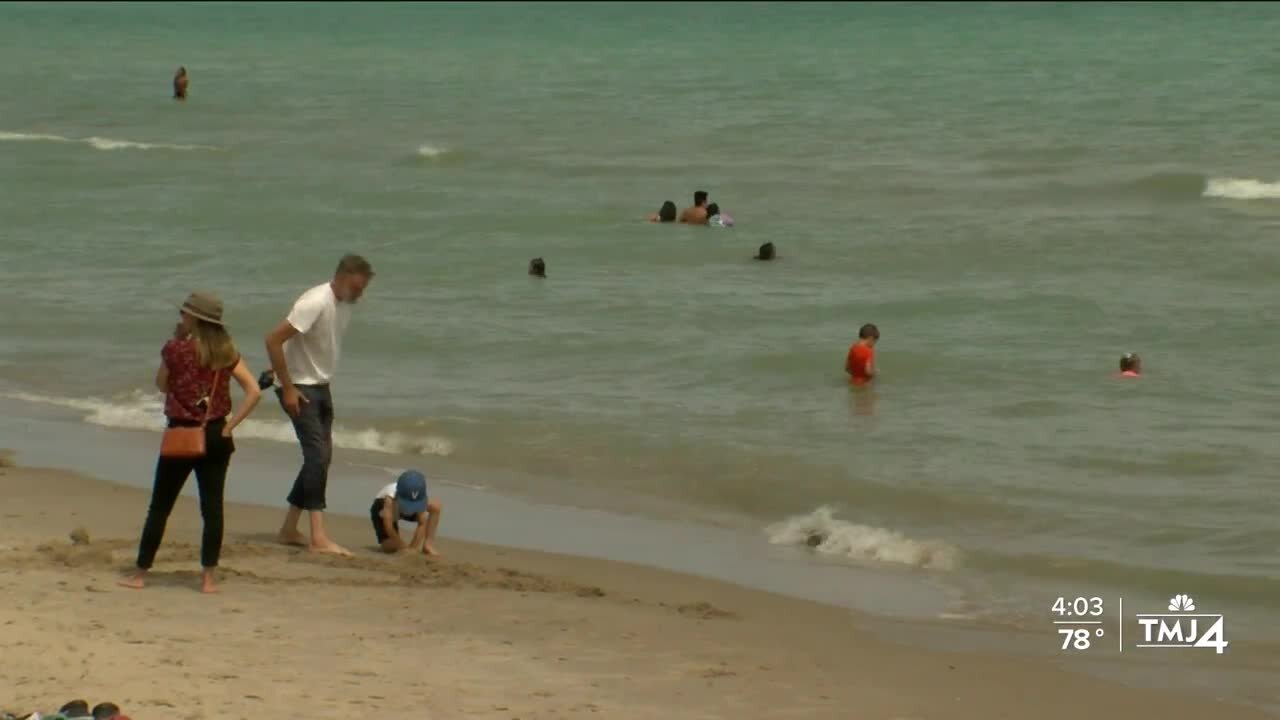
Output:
x=304 y=350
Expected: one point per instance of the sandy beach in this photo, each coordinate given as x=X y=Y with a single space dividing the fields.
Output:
x=484 y=632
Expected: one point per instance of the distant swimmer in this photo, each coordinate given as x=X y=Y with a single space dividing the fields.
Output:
x=860 y=363
x=538 y=267
x=696 y=215
x=1130 y=365
x=715 y=218
x=180 y=83
x=666 y=214
x=767 y=252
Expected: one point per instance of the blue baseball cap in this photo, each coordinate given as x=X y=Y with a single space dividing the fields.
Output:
x=411 y=492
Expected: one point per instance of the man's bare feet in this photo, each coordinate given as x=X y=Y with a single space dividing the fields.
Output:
x=292 y=537
x=206 y=583
x=137 y=581
x=430 y=551
x=331 y=548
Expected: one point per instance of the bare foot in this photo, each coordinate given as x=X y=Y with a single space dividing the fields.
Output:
x=331 y=548
x=136 y=582
x=207 y=585
x=430 y=551
x=291 y=537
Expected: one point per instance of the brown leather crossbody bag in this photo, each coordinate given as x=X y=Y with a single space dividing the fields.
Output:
x=189 y=442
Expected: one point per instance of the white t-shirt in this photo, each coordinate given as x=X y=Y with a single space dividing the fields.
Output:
x=321 y=321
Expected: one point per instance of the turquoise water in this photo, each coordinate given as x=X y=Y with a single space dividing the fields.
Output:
x=1015 y=194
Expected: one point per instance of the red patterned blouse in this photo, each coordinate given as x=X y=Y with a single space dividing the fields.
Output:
x=189 y=383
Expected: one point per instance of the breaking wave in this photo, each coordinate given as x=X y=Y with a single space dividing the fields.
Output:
x=99 y=143
x=145 y=411
x=828 y=535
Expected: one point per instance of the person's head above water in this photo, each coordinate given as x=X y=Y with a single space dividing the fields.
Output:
x=717 y=218
x=699 y=198
x=538 y=267
x=870 y=333
x=668 y=212
x=767 y=252
x=1130 y=364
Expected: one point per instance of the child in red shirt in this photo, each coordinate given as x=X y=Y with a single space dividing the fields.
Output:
x=860 y=363
x=1130 y=365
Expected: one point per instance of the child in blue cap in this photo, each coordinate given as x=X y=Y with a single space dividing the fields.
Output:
x=405 y=499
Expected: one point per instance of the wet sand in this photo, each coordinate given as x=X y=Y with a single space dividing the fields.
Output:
x=483 y=632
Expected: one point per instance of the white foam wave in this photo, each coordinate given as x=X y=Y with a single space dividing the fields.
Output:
x=102 y=143
x=861 y=542
x=145 y=411
x=99 y=143
x=430 y=151
x=1241 y=189
x=32 y=137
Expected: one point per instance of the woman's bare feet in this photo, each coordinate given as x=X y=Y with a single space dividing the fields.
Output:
x=136 y=581
x=294 y=537
x=429 y=551
x=206 y=583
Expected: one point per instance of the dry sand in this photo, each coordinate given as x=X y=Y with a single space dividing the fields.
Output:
x=484 y=632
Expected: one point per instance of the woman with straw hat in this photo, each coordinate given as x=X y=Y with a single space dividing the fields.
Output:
x=195 y=375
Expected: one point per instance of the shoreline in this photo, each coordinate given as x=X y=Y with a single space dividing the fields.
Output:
x=724 y=650
x=532 y=548
x=572 y=517
x=262 y=470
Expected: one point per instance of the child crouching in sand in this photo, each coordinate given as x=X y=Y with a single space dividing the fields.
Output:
x=405 y=499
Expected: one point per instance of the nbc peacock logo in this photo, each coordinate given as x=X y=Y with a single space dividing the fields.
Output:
x=1183 y=627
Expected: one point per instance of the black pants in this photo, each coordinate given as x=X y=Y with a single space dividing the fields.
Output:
x=314 y=428
x=375 y=514
x=211 y=477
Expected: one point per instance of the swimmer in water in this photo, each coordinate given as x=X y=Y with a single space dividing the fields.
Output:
x=538 y=267
x=180 y=83
x=860 y=363
x=666 y=214
x=767 y=252
x=1130 y=365
x=716 y=218
x=696 y=215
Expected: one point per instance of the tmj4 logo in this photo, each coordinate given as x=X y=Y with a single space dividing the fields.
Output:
x=1182 y=627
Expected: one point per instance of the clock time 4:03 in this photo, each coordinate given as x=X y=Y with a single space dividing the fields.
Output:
x=1078 y=607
